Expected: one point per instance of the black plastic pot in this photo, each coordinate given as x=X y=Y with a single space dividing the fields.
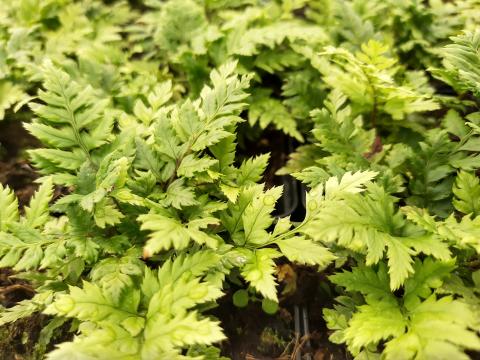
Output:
x=288 y=203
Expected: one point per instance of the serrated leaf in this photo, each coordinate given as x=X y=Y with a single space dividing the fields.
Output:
x=399 y=262
x=428 y=275
x=178 y=195
x=259 y=270
x=267 y=110
x=251 y=170
x=37 y=213
x=305 y=251
x=25 y=308
x=437 y=328
x=167 y=233
x=231 y=192
x=467 y=193
x=91 y=304
x=116 y=275
x=191 y=165
x=349 y=183
x=107 y=213
x=257 y=216
x=163 y=334
x=8 y=207
x=148 y=158
x=373 y=322
x=372 y=284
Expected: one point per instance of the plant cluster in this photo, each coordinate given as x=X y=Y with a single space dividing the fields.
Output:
x=147 y=207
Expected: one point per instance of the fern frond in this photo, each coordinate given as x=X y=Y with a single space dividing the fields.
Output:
x=25 y=308
x=370 y=224
x=462 y=61
x=36 y=214
x=70 y=122
x=467 y=193
x=265 y=110
x=10 y=94
x=371 y=72
x=8 y=207
x=393 y=322
x=154 y=321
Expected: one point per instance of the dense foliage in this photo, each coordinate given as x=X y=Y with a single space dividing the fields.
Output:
x=139 y=106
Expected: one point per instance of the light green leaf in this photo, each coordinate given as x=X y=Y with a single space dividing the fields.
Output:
x=438 y=329
x=8 y=207
x=351 y=183
x=191 y=165
x=373 y=322
x=91 y=304
x=251 y=170
x=399 y=262
x=37 y=213
x=178 y=195
x=305 y=251
x=467 y=193
x=166 y=233
x=259 y=270
x=428 y=275
x=372 y=284
x=257 y=216
x=163 y=334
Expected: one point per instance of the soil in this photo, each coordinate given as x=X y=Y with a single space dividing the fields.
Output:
x=18 y=339
x=15 y=171
x=13 y=290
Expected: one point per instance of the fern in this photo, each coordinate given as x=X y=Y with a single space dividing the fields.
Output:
x=156 y=323
x=412 y=319
x=341 y=138
x=23 y=245
x=369 y=224
x=69 y=124
x=466 y=190
x=25 y=308
x=427 y=168
x=134 y=194
x=436 y=163
x=265 y=110
x=462 y=62
x=371 y=72
x=10 y=95
x=8 y=206
x=156 y=210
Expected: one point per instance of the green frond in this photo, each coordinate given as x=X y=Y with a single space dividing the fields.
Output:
x=37 y=213
x=462 y=62
x=153 y=321
x=8 y=207
x=259 y=272
x=467 y=193
x=70 y=122
x=408 y=326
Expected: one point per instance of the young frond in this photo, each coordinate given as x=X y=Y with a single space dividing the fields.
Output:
x=150 y=321
x=462 y=62
x=71 y=122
